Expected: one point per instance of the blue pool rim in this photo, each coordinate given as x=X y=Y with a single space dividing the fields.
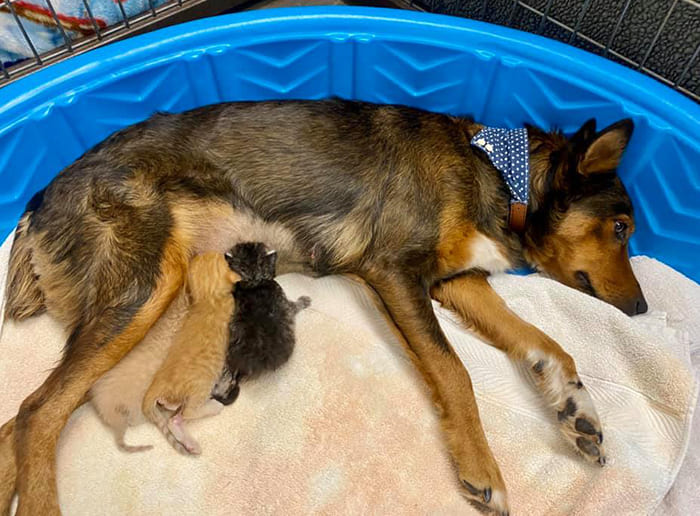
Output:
x=72 y=73
x=663 y=108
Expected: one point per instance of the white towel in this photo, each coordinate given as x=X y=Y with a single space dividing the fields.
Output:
x=347 y=427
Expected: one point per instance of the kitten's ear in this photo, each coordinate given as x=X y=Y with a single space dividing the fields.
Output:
x=232 y=276
x=271 y=263
x=230 y=259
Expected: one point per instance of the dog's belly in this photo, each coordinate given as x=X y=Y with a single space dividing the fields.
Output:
x=221 y=227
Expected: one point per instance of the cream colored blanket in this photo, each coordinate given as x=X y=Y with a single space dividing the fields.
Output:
x=347 y=427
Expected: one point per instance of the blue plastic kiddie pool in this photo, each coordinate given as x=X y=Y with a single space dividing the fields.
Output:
x=500 y=76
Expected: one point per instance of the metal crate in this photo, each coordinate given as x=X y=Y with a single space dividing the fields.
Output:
x=93 y=35
x=660 y=38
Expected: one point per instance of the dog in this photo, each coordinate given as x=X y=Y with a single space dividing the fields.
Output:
x=397 y=196
x=183 y=384
x=262 y=329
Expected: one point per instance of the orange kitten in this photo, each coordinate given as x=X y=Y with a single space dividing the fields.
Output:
x=181 y=388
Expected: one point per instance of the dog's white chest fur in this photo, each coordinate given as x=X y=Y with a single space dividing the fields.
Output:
x=486 y=254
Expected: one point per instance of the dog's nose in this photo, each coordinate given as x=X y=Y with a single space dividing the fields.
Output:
x=634 y=306
x=641 y=306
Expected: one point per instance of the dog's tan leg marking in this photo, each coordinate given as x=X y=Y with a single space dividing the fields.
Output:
x=553 y=370
x=44 y=413
x=408 y=310
x=8 y=468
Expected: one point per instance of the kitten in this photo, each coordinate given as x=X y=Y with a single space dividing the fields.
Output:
x=118 y=394
x=262 y=329
x=182 y=386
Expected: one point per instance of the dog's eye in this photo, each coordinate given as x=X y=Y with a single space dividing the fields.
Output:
x=620 y=227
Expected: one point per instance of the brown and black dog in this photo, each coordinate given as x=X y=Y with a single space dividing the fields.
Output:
x=392 y=194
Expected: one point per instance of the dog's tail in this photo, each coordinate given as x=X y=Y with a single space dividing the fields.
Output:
x=155 y=414
x=23 y=297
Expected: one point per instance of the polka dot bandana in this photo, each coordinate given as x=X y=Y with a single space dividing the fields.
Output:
x=508 y=151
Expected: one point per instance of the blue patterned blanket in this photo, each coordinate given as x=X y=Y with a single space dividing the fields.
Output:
x=73 y=20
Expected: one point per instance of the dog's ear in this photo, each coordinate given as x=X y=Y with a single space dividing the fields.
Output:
x=584 y=136
x=604 y=153
x=533 y=130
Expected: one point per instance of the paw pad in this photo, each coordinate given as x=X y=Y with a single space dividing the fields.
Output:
x=538 y=367
x=487 y=499
x=584 y=426
x=569 y=410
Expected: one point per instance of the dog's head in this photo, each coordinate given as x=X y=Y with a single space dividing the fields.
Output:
x=254 y=261
x=581 y=215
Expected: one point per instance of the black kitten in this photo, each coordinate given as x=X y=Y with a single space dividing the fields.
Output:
x=262 y=328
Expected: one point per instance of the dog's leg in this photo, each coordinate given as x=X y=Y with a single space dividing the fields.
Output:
x=408 y=305
x=8 y=468
x=89 y=354
x=553 y=370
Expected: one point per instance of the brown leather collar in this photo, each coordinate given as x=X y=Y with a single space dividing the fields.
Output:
x=517 y=216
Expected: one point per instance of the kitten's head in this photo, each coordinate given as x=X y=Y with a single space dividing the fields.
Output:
x=254 y=261
x=208 y=277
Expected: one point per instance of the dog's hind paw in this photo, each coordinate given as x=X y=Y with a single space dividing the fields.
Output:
x=578 y=419
x=487 y=500
x=481 y=481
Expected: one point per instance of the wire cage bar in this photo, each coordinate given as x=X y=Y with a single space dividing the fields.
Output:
x=80 y=36
x=660 y=38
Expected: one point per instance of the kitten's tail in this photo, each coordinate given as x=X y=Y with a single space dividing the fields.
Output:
x=119 y=422
x=155 y=414
x=301 y=303
x=132 y=449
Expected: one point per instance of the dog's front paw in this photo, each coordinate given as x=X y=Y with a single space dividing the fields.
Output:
x=580 y=424
x=576 y=413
